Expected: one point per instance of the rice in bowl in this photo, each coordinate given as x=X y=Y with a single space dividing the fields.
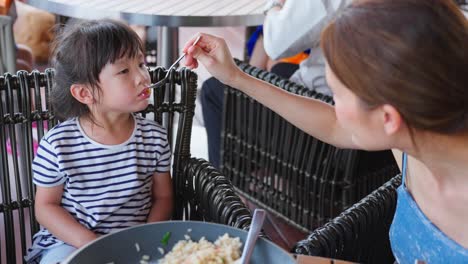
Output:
x=225 y=250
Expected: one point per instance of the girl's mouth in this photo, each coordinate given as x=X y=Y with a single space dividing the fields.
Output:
x=145 y=93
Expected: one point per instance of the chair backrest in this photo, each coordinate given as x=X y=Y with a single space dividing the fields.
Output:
x=27 y=115
x=297 y=177
x=7 y=45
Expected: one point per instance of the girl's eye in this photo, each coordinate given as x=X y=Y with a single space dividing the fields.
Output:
x=142 y=65
x=123 y=71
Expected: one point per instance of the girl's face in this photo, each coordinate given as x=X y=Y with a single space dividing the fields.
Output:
x=123 y=86
x=364 y=125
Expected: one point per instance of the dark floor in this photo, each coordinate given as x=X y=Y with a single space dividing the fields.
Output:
x=280 y=232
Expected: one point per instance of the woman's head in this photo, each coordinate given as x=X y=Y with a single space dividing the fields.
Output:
x=409 y=54
x=81 y=52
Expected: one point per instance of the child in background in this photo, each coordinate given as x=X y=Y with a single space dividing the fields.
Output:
x=102 y=169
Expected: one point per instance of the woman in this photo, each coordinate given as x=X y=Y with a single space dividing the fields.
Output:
x=399 y=74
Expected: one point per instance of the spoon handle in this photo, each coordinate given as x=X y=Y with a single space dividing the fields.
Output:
x=177 y=61
x=183 y=54
x=163 y=80
x=255 y=228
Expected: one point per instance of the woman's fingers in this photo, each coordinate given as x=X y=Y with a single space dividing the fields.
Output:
x=190 y=62
x=200 y=55
x=190 y=42
x=206 y=43
x=214 y=54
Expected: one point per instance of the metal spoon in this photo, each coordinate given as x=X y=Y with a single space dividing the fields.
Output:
x=163 y=80
x=255 y=228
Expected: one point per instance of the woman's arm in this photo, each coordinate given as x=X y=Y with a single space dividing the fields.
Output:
x=162 y=197
x=312 y=116
x=59 y=222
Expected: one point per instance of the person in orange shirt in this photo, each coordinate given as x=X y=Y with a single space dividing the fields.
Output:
x=259 y=58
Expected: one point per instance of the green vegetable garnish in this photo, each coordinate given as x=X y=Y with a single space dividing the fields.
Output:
x=166 y=238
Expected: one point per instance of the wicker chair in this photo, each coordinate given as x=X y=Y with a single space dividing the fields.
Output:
x=201 y=192
x=359 y=234
x=293 y=175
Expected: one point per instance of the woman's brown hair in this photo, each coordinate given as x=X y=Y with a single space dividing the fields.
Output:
x=412 y=54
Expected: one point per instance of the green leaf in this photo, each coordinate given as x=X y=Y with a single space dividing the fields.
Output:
x=166 y=238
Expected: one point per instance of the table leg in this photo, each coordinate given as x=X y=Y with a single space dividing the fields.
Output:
x=168 y=51
x=168 y=46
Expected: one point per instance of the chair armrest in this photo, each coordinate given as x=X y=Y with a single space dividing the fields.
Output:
x=210 y=196
x=360 y=233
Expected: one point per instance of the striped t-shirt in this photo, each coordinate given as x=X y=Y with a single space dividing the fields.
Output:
x=106 y=187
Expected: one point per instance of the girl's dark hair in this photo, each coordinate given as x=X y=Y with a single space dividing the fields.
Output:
x=412 y=54
x=80 y=52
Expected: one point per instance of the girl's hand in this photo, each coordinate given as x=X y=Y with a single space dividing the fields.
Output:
x=214 y=54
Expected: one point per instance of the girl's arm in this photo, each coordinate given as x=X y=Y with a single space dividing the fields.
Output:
x=59 y=222
x=162 y=198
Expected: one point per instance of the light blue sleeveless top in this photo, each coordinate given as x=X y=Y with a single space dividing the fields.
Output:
x=414 y=237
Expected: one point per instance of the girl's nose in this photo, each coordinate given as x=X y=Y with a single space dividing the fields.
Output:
x=144 y=77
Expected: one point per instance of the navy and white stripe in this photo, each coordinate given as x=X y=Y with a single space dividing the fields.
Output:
x=106 y=188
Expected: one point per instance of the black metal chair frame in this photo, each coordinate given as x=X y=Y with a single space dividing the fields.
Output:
x=201 y=192
x=296 y=177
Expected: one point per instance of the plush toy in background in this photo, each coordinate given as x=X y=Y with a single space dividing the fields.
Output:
x=35 y=29
x=24 y=57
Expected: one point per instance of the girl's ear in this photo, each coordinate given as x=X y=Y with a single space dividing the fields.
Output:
x=392 y=119
x=82 y=93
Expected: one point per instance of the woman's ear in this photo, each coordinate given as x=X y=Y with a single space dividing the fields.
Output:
x=82 y=93
x=392 y=119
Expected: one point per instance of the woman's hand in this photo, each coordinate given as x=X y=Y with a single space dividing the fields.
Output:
x=214 y=54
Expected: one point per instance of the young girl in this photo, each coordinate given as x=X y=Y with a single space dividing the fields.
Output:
x=102 y=169
x=399 y=74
